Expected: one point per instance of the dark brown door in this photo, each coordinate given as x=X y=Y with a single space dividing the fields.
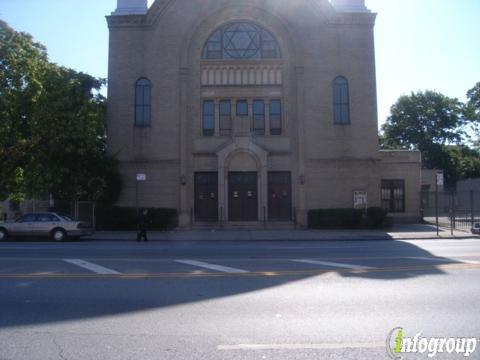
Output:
x=279 y=196
x=242 y=198
x=206 y=196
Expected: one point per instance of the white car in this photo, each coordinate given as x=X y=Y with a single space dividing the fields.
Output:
x=53 y=225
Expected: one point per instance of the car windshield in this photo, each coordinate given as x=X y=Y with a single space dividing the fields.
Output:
x=65 y=217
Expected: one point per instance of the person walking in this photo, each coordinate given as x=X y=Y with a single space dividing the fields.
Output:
x=142 y=225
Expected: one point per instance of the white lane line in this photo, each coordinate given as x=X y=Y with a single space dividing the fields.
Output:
x=300 y=346
x=212 y=266
x=333 y=264
x=465 y=261
x=425 y=258
x=445 y=259
x=92 y=267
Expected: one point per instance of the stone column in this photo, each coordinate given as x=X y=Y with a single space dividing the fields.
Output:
x=222 y=190
x=184 y=216
x=216 y=104
x=301 y=211
x=267 y=116
x=248 y=128
x=263 y=174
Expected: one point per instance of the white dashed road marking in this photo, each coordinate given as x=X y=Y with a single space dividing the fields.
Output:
x=92 y=267
x=300 y=346
x=205 y=265
x=333 y=264
x=445 y=259
x=425 y=258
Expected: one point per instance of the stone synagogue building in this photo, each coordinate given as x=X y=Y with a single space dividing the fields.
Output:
x=251 y=111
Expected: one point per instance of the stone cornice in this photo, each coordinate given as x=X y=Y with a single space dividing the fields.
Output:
x=353 y=19
x=155 y=11
x=159 y=7
x=344 y=159
x=118 y=21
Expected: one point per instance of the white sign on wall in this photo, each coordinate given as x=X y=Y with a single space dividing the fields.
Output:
x=141 y=177
x=440 y=178
x=360 y=199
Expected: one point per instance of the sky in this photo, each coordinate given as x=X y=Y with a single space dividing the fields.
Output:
x=420 y=44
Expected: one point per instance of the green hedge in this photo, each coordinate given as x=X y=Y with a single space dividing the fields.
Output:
x=372 y=218
x=124 y=218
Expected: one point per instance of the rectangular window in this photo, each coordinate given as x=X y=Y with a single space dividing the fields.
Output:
x=208 y=118
x=225 y=117
x=275 y=117
x=393 y=195
x=242 y=108
x=259 y=117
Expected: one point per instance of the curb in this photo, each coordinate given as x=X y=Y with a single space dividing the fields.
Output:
x=339 y=239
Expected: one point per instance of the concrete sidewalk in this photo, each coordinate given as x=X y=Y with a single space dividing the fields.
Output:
x=398 y=232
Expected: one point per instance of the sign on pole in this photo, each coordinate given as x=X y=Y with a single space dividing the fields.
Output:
x=440 y=178
x=141 y=177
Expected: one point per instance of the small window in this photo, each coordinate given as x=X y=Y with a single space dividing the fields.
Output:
x=259 y=117
x=142 y=102
x=242 y=108
x=341 y=101
x=393 y=195
x=275 y=117
x=225 y=111
x=208 y=118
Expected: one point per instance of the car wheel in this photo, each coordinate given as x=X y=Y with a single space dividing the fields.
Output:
x=59 y=235
x=3 y=235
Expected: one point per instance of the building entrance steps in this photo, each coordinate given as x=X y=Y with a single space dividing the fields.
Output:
x=243 y=225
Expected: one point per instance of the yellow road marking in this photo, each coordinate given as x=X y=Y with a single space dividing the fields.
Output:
x=139 y=259
x=250 y=274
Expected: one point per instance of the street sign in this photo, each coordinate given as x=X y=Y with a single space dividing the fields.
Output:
x=440 y=178
x=141 y=177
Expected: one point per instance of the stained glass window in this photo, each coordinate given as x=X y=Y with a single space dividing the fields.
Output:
x=142 y=102
x=208 y=118
x=259 y=117
x=241 y=40
x=225 y=110
x=275 y=117
x=341 y=101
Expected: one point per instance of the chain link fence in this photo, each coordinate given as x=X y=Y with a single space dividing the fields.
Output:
x=79 y=210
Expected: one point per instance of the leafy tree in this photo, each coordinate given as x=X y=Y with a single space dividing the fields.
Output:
x=425 y=119
x=437 y=126
x=472 y=108
x=52 y=133
x=21 y=63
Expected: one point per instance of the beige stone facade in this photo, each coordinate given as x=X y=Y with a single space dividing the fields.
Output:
x=197 y=56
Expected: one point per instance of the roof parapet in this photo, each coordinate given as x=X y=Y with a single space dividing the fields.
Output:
x=132 y=7
x=350 y=6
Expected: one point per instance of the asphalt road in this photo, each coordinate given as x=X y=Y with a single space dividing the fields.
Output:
x=253 y=300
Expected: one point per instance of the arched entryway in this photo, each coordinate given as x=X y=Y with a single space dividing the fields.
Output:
x=242 y=181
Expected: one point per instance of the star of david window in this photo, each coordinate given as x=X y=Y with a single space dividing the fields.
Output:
x=241 y=40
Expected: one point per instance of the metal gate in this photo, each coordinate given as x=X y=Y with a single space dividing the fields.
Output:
x=450 y=209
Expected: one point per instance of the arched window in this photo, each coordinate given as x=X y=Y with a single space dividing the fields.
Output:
x=341 y=101
x=241 y=40
x=142 y=102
